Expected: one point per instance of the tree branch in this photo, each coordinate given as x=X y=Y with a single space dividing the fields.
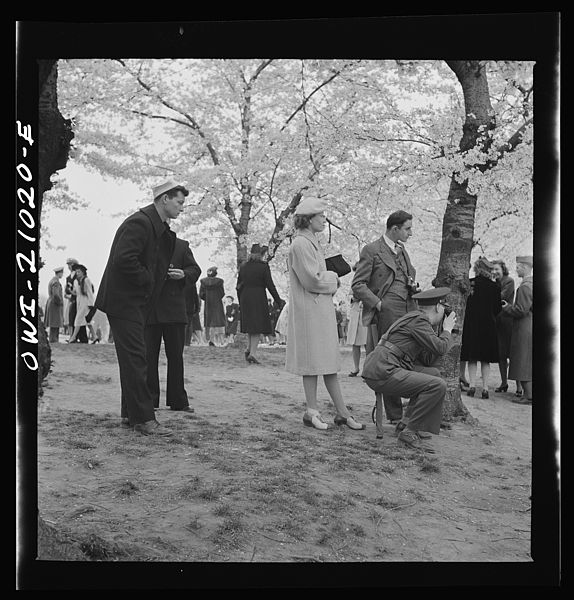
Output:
x=307 y=98
x=192 y=123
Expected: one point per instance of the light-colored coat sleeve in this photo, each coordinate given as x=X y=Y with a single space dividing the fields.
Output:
x=304 y=264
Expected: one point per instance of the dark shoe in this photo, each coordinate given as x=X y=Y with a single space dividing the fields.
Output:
x=522 y=400
x=485 y=394
x=400 y=426
x=501 y=388
x=152 y=428
x=413 y=440
x=470 y=392
x=96 y=341
x=125 y=422
x=253 y=360
x=188 y=409
x=314 y=421
x=246 y=354
x=464 y=385
x=353 y=373
x=211 y=343
x=349 y=422
x=519 y=394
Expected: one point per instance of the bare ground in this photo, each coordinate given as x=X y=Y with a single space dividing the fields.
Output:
x=243 y=481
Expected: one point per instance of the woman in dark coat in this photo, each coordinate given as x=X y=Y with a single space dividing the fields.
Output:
x=253 y=281
x=479 y=337
x=211 y=292
x=504 y=324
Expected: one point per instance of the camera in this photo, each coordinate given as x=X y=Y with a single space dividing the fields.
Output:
x=412 y=286
x=447 y=309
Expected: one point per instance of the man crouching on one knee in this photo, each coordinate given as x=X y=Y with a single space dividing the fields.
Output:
x=400 y=364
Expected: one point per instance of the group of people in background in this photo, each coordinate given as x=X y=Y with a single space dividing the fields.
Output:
x=71 y=307
x=498 y=328
x=151 y=291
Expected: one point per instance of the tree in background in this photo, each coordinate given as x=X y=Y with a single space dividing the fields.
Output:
x=252 y=136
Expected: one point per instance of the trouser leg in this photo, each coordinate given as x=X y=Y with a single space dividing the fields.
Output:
x=174 y=338
x=152 y=336
x=129 y=342
x=427 y=392
x=54 y=334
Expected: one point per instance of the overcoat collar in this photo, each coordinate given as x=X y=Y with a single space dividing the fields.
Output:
x=159 y=226
x=310 y=236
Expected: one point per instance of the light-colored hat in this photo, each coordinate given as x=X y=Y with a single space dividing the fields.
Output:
x=167 y=186
x=71 y=261
x=59 y=270
x=527 y=260
x=310 y=206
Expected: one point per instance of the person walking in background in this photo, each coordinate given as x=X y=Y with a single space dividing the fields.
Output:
x=211 y=291
x=384 y=281
x=479 y=337
x=136 y=269
x=356 y=331
x=192 y=308
x=520 y=368
x=167 y=320
x=84 y=293
x=274 y=312
x=342 y=322
x=312 y=344
x=253 y=281
x=504 y=324
x=54 y=311
x=71 y=297
x=231 y=318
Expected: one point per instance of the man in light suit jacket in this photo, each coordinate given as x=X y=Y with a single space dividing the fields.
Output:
x=167 y=320
x=384 y=281
x=130 y=286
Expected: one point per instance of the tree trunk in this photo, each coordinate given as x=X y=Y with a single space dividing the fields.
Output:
x=54 y=137
x=458 y=224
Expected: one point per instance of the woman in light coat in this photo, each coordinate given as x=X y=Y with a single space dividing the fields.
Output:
x=84 y=292
x=312 y=340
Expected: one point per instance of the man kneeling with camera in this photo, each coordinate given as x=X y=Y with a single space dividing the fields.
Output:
x=401 y=363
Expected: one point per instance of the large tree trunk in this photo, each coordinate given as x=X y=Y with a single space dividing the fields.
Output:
x=458 y=222
x=54 y=137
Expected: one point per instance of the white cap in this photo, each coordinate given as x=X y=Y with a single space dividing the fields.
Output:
x=310 y=206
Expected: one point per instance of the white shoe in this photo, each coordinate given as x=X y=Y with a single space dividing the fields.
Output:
x=314 y=421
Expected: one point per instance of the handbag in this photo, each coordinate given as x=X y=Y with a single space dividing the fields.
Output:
x=91 y=313
x=338 y=264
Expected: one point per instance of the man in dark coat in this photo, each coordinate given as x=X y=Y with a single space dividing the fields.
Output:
x=384 y=280
x=167 y=320
x=401 y=364
x=130 y=286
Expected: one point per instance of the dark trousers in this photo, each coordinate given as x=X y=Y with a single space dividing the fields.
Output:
x=54 y=334
x=137 y=402
x=173 y=335
x=426 y=390
x=395 y=307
